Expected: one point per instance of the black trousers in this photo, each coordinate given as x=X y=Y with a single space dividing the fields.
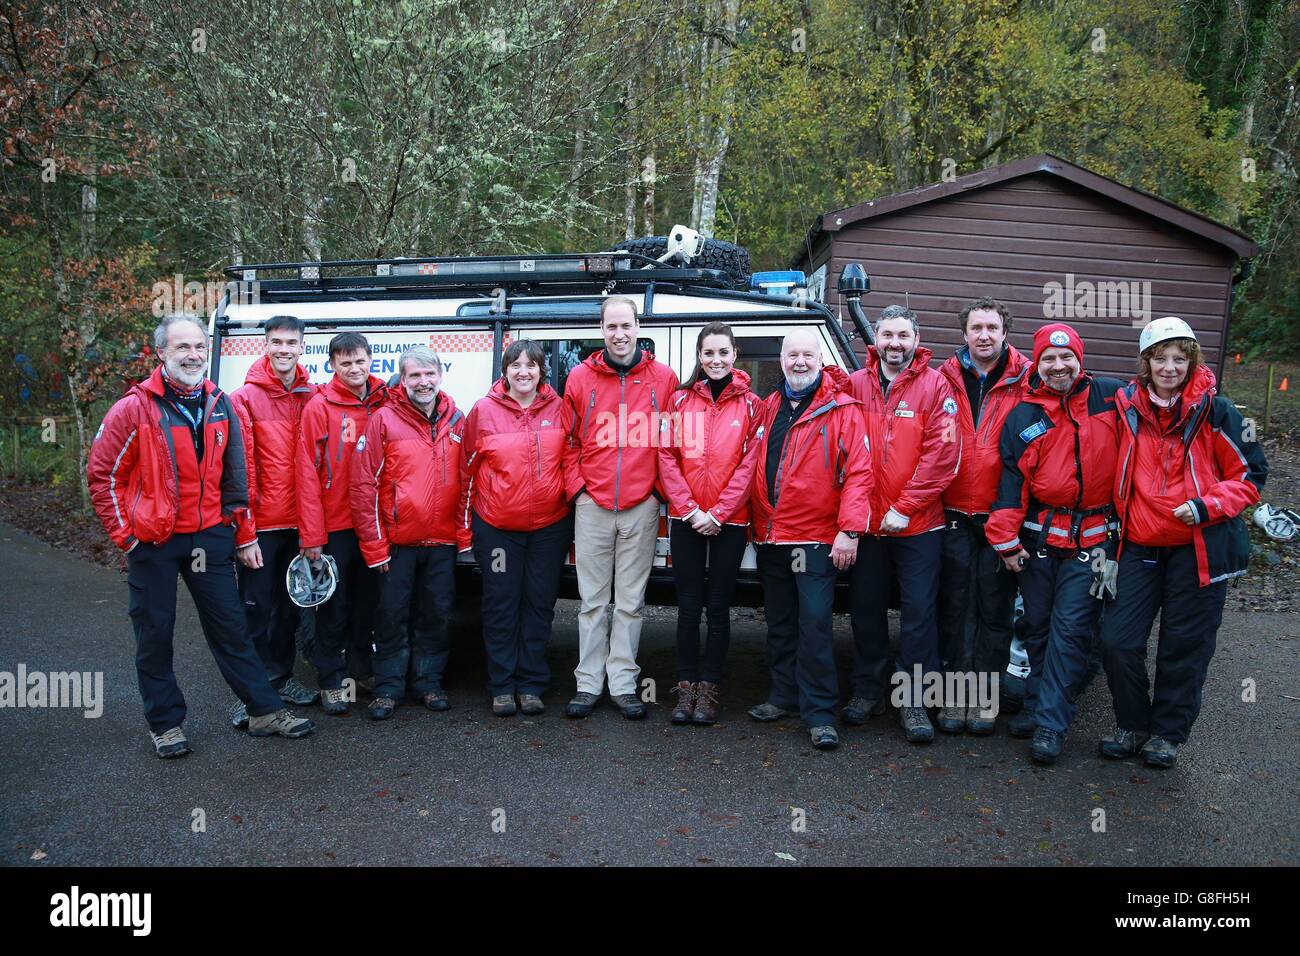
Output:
x=272 y=617
x=1164 y=580
x=914 y=560
x=977 y=600
x=205 y=560
x=704 y=572
x=1060 y=627
x=345 y=622
x=799 y=600
x=416 y=595
x=521 y=579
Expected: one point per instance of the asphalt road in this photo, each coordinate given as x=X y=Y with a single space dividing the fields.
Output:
x=427 y=788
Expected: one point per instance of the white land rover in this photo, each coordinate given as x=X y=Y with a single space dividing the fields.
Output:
x=469 y=309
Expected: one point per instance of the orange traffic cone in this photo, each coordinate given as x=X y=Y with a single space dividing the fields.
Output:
x=1286 y=384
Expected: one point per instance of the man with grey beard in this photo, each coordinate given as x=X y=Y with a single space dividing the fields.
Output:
x=405 y=497
x=168 y=479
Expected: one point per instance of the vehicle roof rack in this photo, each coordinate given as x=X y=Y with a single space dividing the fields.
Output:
x=433 y=275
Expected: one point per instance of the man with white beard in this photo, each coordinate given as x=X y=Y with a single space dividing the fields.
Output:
x=167 y=476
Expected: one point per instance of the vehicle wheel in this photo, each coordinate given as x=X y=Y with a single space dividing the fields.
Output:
x=727 y=257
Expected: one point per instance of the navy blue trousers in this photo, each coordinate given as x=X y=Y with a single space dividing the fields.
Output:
x=272 y=617
x=345 y=622
x=411 y=630
x=914 y=561
x=799 y=601
x=1060 y=625
x=205 y=560
x=1163 y=580
x=521 y=579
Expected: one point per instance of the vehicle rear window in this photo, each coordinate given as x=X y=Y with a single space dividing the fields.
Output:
x=760 y=356
x=555 y=307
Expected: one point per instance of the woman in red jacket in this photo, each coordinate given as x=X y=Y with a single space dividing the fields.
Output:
x=1187 y=469
x=517 y=456
x=705 y=470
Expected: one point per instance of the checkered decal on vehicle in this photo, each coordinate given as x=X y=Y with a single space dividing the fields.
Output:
x=439 y=341
x=241 y=345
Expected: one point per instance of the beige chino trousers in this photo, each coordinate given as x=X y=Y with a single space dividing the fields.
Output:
x=614 y=551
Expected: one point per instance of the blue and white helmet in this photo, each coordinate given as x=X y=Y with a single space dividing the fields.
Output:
x=311 y=582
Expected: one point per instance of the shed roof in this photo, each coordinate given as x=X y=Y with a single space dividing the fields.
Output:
x=1138 y=199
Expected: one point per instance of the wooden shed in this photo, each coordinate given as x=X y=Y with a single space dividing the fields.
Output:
x=1053 y=241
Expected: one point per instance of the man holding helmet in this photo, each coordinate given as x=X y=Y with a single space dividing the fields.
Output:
x=269 y=406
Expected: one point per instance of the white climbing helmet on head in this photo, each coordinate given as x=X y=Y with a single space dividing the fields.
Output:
x=311 y=582
x=1161 y=330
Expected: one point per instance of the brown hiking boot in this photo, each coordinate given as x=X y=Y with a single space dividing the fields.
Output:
x=706 y=703
x=685 y=708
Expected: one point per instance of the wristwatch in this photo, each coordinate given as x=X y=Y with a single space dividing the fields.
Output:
x=852 y=534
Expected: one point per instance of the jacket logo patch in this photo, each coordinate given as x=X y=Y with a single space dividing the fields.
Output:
x=1033 y=431
x=361 y=443
x=545 y=422
x=220 y=437
x=736 y=423
x=100 y=432
x=902 y=403
x=950 y=406
x=453 y=436
x=758 y=435
x=904 y=413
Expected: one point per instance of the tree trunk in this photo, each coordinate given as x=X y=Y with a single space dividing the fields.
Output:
x=708 y=165
x=85 y=329
x=648 y=176
x=575 y=177
x=633 y=171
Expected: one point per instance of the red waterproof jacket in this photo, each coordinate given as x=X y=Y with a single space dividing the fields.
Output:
x=268 y=416
x=332 y=422
x=1204 y=459
x=516 y=460
x=824 y=479
x=616 y=423
x=915 y=440
x=147 y=483
x=709 y=452
x=406 y=478
x=974 y=489
x=1058 y=468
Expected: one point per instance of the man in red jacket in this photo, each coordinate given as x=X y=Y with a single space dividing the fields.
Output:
x=810 y=504
x=977 y=594
x=167 y=477
x=406 y=493
x=332 y=423
x=911 y=419
x=1054 y=524
x=617 y=396
x=269 y=406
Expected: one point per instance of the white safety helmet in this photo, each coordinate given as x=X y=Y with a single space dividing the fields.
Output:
x=1161 y=330
x=311 y=582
